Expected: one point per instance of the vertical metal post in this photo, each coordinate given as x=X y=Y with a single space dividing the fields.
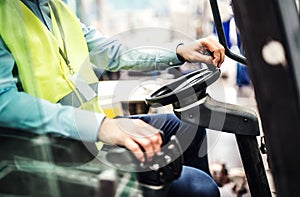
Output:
x=253 y=166
x=269 y=31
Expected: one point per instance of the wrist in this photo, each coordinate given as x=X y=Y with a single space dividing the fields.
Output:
x=179 y=52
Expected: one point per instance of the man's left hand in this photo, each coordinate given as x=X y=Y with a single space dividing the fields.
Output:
x=197 y=51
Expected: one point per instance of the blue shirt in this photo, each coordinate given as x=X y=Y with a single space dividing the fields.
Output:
x=23 y=111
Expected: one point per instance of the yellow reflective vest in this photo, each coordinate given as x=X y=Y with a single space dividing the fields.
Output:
x=43 y=71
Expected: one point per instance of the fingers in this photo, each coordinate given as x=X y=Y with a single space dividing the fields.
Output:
x=142 y=147
x=137 y=136
x=200 y=56
x=216 y=48
x=219 y=56
x=150 y=145
x=148 y=138
x=194 y=52
x=135 y=149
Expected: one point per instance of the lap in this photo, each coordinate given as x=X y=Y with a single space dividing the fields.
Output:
x=190 y=137
x=171 y=125
x=192 y=181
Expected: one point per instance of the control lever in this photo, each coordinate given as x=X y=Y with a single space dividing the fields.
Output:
x=164 y=167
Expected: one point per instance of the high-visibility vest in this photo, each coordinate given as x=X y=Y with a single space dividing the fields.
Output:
x=42 y=69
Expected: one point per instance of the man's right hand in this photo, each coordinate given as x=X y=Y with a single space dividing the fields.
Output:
x=134 y=134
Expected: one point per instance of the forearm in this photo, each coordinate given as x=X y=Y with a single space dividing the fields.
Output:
x=110 y=54
x=22 y=111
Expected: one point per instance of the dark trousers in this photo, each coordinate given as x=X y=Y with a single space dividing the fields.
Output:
x=195 y=179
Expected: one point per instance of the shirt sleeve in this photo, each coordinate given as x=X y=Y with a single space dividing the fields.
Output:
x=22 y=111
x=110 y=54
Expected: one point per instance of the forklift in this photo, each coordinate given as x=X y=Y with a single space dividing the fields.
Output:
x=269 y=32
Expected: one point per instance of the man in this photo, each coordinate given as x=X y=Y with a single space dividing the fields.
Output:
x=52 y=53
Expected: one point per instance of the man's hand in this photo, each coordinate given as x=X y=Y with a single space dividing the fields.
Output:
x=195 y=51
x=134 y=134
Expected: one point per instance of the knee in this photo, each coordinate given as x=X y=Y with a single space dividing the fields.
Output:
x=211 y=190
x=194 y=182
x=208 y=187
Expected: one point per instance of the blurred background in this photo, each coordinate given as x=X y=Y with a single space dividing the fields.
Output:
x=114 y=16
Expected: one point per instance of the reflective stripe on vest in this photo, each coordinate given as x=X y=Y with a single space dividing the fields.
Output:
x=42 y=70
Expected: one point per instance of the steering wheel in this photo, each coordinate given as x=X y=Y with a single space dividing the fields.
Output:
x=186 y=89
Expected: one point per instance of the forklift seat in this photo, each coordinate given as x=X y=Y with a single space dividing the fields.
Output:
x=48 y=165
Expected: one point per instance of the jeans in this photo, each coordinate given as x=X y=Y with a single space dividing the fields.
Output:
x=195 y=179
